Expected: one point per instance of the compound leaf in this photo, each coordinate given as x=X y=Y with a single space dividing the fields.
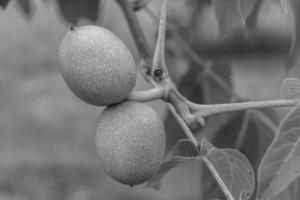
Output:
x=232 y=170
x=241 y=131
x=281 y=163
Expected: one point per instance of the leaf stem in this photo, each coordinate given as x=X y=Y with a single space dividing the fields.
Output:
x=206 y=110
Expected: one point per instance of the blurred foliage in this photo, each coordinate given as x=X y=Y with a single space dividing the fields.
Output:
x=293 y=56
x=50 y=181
x=26 y=6
x=3 y=3
x=73 y=10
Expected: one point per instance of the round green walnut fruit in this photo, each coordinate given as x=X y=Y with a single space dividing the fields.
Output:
x=96 y=65
x=130 y=141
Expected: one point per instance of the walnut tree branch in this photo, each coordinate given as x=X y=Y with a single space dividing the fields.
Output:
x=172 y=95
x=189 y=112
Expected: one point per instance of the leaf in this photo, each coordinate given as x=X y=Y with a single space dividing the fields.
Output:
x=291 y=193
x=290 y=88
x=294 y=190
x=244 y=130
x=155 y=181
x=233 y=172
x=185 y=148
x=207 y=147
x=293 y=56
x=281 y=163
x=25 y=6
x=231 y=14
x=3 y=3
x=73 y=10
x=241 y=130
x=284 y=195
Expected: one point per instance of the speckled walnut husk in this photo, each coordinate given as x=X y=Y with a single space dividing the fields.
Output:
x=130 y=141
x=96 y=65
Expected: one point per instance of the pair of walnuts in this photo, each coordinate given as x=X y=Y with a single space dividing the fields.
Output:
x=99 y=69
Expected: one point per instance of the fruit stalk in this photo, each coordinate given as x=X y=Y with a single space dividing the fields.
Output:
x=147 y=95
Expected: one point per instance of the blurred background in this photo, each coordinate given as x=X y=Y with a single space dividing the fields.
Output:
x=47 y=135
